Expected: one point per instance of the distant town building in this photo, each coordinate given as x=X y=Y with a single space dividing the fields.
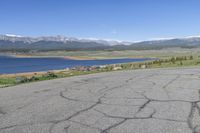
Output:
x=143 y=66
x=67 y=69
x=117 y=68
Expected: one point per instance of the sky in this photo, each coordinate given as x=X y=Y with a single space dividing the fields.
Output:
x=127 y=20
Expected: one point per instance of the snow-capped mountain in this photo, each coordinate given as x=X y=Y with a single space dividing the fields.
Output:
x=15 y=38
x=17 y=42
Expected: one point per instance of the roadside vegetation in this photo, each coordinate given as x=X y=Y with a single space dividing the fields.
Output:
x=179 y=61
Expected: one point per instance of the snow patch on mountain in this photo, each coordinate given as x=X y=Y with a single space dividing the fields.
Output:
x=12 y=35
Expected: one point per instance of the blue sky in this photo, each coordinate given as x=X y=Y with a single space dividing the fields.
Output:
x=130 y=20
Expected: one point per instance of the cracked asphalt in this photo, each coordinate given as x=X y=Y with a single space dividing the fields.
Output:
x=138 y=101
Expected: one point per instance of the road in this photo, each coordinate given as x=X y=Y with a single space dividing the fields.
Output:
x=138 y=101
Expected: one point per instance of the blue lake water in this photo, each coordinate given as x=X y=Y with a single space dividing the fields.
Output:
x=10 y=65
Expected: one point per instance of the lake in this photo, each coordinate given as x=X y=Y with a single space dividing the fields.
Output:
x=9 y=65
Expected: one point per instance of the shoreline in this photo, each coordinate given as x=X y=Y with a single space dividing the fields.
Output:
x=29 y=74
x=70 y=57
x=39 y=73
x=76 y=57
x=43 y=56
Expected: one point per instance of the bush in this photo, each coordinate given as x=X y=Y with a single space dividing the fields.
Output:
x=33 y=78
x=191 y=57
x=51 y=75
x=22 y=79
x=25 y=79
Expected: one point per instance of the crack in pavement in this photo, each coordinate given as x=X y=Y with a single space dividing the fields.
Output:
x=8 y=127
x=169 y=83
x=70 y=99
x=85 y=125
x=143 y=106
x=75 y=114
x=194 y=106
x=126 y=83
x=190 y=117
x=113 y=126
x=2 y=112
x=158 y=118
x=124 y=119
x=25 y=124
x=171 y=100
x=199 y=94
x=66 y=129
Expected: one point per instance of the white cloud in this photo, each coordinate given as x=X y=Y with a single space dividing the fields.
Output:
x=192 y=36
x=162 y=38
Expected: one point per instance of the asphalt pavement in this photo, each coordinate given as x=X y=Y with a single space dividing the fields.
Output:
x=135 y=101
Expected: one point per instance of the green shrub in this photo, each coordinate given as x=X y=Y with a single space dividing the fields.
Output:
x=33 y=78
x=51 y=75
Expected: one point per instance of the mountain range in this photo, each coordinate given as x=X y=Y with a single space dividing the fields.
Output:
x=10 y=42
